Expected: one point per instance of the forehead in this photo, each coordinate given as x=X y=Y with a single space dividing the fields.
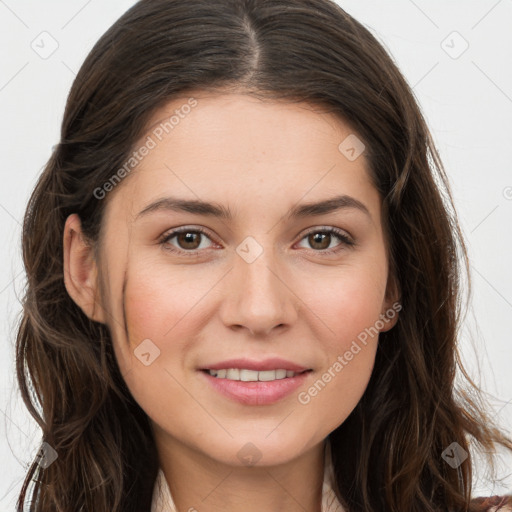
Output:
x=238 y=147
x=238 y=119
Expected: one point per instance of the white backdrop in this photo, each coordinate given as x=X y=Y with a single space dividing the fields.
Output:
x=457 y=56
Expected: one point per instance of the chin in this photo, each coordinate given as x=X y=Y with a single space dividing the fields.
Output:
x=259 y=450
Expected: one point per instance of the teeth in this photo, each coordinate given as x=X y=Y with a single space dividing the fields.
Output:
x=281 y=374
x=251 y=375
x=233 y=374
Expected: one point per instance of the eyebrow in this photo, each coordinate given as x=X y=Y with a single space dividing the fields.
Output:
x=219 y=211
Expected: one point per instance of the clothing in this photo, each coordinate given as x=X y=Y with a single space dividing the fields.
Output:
x=163 y=502
x=496 y=503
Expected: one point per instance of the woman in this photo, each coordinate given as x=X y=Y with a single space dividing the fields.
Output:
x=243 y=276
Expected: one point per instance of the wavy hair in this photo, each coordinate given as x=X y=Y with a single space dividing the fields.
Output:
x=387 y=454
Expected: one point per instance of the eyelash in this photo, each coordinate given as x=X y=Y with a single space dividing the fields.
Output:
x=345 y=239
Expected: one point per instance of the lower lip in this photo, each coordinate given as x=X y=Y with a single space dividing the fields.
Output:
x=256 y=392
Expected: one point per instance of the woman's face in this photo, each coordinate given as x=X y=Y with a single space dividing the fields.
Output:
x=265 y=279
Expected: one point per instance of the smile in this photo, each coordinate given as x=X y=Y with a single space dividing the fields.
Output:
x=251 y=387
x=245 y=375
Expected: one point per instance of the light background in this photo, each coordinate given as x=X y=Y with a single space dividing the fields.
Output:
x=466 y=99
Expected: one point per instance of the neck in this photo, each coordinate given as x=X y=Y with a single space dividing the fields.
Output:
x=200 y=483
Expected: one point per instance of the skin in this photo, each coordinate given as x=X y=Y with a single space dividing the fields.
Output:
x=259 y=159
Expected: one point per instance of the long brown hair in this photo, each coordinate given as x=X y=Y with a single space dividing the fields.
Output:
x=387 y=455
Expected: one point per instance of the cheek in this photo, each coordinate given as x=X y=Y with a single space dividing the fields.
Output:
x=347 y=302
x=349 y=357
x=337 y=390
x=349 y=307
x=156 y=310
x=159 y=304
x=155 y=307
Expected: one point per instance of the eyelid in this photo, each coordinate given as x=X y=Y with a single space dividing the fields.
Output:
x=330 y=229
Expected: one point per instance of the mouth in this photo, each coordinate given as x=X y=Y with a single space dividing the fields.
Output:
x=246 y=375
x=255 y=388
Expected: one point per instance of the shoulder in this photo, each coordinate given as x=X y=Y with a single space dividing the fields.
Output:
x=495 y=503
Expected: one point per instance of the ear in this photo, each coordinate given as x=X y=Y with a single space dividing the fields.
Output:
x=80 y=270
x=391 y=305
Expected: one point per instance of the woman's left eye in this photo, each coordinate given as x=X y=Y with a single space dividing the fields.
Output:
x=324 y=236
x=189 y=240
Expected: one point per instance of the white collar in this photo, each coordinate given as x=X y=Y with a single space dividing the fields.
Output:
x=162 y=500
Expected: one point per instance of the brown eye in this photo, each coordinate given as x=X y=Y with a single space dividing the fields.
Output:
x=188 y=241
x=320 y=240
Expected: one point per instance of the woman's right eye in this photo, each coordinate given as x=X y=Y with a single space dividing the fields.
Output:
x=186 y=239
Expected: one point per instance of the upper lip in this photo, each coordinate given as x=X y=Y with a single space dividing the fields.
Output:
x=274 y=363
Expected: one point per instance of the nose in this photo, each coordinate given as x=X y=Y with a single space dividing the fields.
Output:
x=259 y=296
